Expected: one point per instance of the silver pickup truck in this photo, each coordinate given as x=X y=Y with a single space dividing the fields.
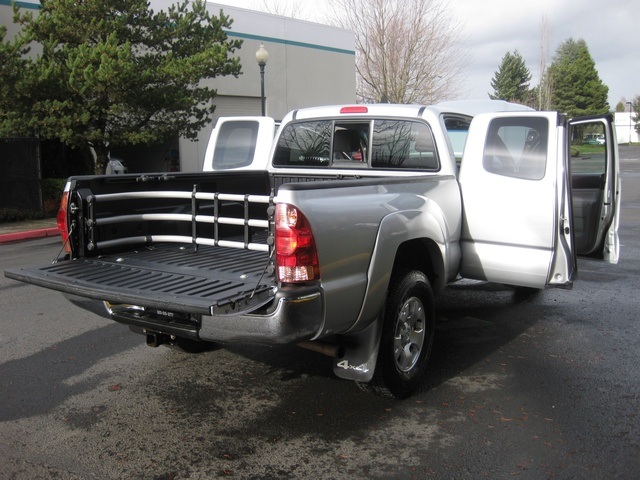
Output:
x=364 y=214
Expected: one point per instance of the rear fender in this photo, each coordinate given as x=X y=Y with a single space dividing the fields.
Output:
x=395 y=230
x=359 y=349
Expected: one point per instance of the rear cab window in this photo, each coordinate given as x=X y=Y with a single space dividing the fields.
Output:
x=369 y=143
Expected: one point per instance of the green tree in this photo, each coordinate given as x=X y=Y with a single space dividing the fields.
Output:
x=511 y=80
x=13 y=65
x=577 y=88
x=635 y=108
x=115 y=72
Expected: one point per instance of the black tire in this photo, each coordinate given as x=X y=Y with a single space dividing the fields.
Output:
x=407 y=336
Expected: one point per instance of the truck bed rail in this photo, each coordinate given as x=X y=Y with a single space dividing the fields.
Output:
x=200 y=234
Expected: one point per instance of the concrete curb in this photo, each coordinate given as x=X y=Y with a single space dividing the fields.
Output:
x=28 y=235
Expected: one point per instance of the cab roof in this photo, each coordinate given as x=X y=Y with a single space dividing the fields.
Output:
x=464 y=107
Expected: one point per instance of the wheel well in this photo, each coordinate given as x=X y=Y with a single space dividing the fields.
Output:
x=422 y=254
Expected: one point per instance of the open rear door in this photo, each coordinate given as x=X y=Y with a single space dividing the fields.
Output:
x=520 y=226
x=240 y=143
x=516 y=201
x=595 y=183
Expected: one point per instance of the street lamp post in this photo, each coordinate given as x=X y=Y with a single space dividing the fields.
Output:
x=262 y=56
x=630 y=105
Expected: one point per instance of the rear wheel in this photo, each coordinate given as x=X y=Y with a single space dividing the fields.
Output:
x=407 y=336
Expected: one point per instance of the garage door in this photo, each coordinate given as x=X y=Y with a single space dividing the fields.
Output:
x=232 y=106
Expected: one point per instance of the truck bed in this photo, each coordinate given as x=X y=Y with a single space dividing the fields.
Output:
x=183 y=244
x=164 y=276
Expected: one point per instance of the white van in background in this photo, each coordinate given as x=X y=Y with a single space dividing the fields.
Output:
x=240 y=143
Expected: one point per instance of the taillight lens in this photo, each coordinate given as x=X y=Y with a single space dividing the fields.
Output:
x=296 y=255
x=62 y=218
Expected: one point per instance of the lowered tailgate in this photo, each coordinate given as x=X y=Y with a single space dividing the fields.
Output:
x=166 y=276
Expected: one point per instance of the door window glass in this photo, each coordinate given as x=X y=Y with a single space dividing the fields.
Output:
x=235 y=145
x=517 y=147
x=588 y=149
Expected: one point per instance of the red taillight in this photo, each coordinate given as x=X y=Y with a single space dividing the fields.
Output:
x=354 y=109
x=62 y=219
x=296 y=255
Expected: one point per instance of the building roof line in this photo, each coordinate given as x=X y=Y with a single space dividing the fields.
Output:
x=294 y=43
x=247 y=36
x=33 y=6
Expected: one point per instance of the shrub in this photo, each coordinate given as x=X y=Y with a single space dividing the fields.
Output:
x=18 y=215
x=51 y=192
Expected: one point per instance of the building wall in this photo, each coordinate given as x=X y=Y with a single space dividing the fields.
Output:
x=309 y=64
x=625 y=127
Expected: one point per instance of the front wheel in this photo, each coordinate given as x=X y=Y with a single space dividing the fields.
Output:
x=407 y=336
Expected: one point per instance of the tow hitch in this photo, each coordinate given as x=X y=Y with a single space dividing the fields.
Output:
x=157 y=339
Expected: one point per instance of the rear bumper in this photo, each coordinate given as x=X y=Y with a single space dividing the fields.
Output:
x=292 y=319
x=288 y=319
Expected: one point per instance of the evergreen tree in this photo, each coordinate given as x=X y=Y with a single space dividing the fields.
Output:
x=577 y=88
x=13 y=64
x=114 y=72
x=635 y=112
x=511 y=80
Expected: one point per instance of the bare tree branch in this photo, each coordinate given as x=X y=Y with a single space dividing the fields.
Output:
x=545 y=85
x=407 y=51
x=280 y=7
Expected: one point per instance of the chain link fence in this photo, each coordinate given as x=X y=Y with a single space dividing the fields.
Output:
x=20 y=174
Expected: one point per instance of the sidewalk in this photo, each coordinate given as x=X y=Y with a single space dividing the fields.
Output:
x=27 y=230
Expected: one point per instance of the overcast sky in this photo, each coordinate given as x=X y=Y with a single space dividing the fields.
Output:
x=492 y=28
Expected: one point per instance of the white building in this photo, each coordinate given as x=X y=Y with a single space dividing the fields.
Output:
x=626 y=127
x=309 y=64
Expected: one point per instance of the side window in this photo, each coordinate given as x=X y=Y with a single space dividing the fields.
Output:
x=517 y=147
x=400 y=144
x=588 y=149
x=304 y=144
x=235 y=145
x=457 y=130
